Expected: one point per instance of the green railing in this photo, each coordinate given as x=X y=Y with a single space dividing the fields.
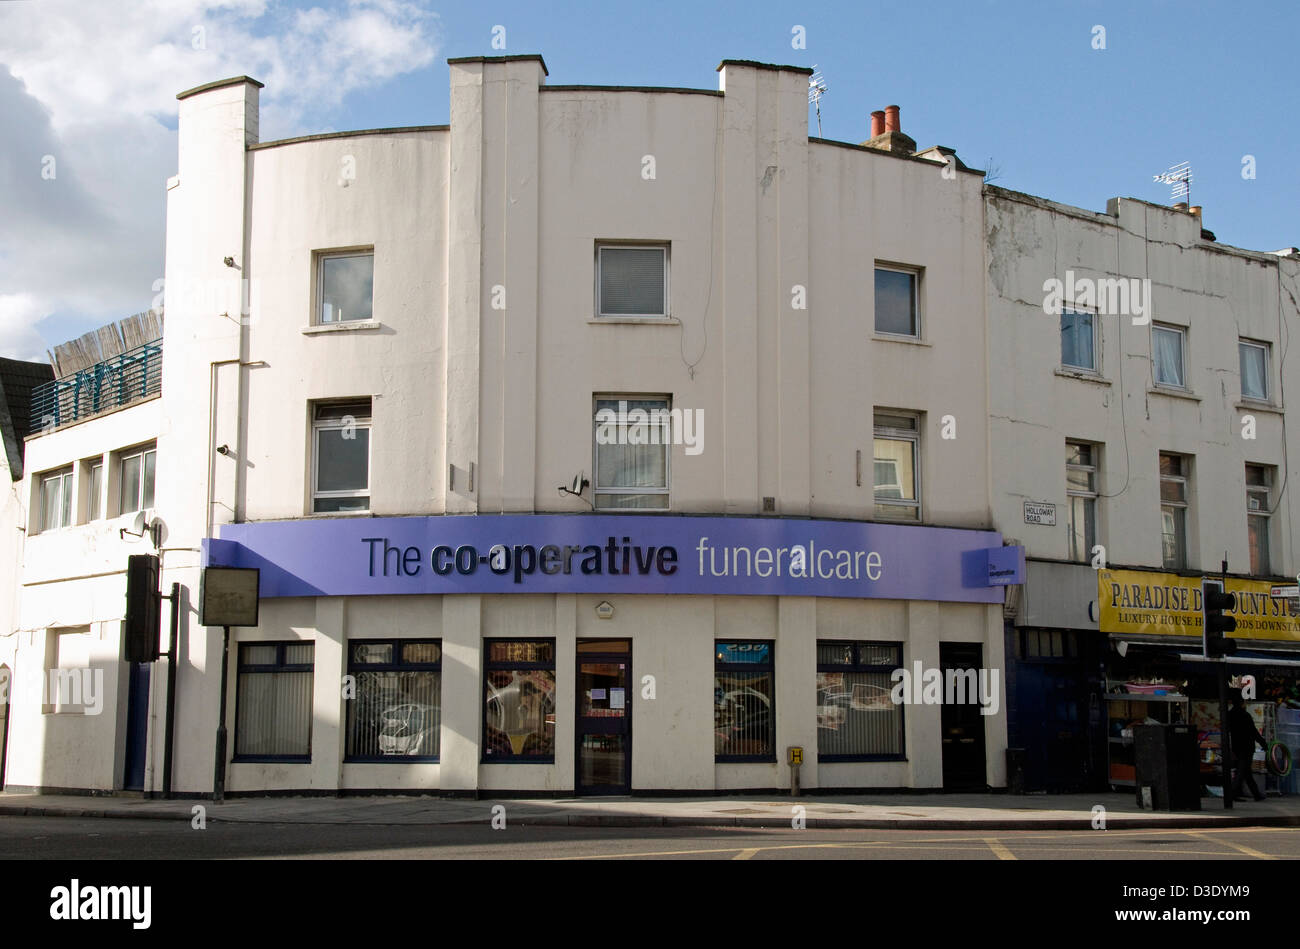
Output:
x=111 y=384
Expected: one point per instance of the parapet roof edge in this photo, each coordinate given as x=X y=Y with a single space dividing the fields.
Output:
x=326 y=135
x=208 y=86
x=521 y=57
x=757 y=65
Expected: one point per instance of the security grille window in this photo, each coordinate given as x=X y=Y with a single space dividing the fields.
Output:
x=632 y=447
x=1167 y=344
x=95 y=491
x=1259 y=480
x=1078 y=341
x=136 y=481
x=895 y=463
x=857 y=720
x=395 y=713
x=345 y=286
x=743 y=702
x=273 y=704
x=896 y=302
x=56 y=500
x=1254 y=370
x=341 y=457
x=519 y=712
x=1081 y=489
x=1173 y=510
x=632 y=281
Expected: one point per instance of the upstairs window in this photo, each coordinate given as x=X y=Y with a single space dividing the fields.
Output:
x=341 y=457
x=345 y=286
x=1167 y=344
x=1259 y=508
x=1081 y=489
x=1253 y=358
x=632 y=280
x=895 y=459
x=1078 y=341
x=896 y=302
x=1173 y=510
x=55 y=500
x=632 y=439
x=136 y=479
x=95 y=491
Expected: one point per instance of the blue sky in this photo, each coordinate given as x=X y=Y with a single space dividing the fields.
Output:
x=1016 y=87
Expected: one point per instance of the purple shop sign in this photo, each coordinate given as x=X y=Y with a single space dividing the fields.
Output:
x=594 y=553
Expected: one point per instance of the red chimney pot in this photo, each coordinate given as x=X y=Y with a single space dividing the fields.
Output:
x=891 y=119
x=877 y=123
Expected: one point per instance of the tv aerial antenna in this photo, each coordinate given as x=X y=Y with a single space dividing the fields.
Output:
x=817 y=89
x=1179 y=179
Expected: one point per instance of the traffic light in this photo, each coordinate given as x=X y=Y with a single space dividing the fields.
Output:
x=141 y=625
x=1214 y=600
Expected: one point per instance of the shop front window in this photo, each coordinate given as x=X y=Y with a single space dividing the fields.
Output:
x=743 y=709
x=519 y=712
x=857 y=720
x=396 y=711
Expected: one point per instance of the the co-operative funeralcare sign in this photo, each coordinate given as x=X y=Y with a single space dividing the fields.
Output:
x=592 y=553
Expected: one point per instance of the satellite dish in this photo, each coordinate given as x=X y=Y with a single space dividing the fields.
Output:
x=579 y=482
x=138 y=523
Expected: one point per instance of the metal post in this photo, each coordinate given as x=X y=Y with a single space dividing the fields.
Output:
x=170 y=727
x=1228 y=752
x=219 y=775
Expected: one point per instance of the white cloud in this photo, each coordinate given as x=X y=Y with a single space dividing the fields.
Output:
x=94 y=85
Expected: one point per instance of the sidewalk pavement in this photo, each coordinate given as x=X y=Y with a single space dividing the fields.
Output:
x=914 y=811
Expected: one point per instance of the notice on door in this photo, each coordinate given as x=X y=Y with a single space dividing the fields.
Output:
x=615 y=698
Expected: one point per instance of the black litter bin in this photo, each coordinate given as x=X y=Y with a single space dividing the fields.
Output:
x=1168 y=768
x=1015 y=770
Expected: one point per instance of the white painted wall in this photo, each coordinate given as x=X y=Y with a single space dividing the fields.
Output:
x=1217 y=294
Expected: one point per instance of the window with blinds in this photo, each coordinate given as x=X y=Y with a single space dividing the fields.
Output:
x=857 y=720
x=395 y=713
x=632 y=281
x=744 y=718
x=273 y=701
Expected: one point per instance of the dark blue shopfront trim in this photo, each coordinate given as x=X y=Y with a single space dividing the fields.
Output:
x=596 y=553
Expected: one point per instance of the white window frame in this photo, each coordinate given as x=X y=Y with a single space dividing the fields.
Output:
x=1253 y=344
x=331 y=425
x=1091 y=495
x=1095 y=368
x=915 y=274
x=122 y=458
x=1182 y=355
x=65 y=475
x=1185 y=479
x=666 y=248
x=95 y=496
x=890 y=433
x=597 y=489
x=1265 y=514
x=318 y=305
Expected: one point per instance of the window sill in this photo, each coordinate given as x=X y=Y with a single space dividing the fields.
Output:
x=394 y=759
x=271 y=759
x=1250 y=405
x=1083 y=375
x=859 y=759
x=339 y=514
x=652 y=320
x=1187 y=394
x=909 y=340
x=351 y=326
x=744 y=759
x=514 y=760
